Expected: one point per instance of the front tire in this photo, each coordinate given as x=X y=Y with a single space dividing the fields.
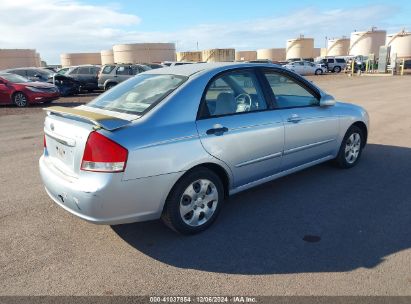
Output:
x=318 y=72
x=194 y=202
x=109 y=86
x=20 y=100
x=351 y=148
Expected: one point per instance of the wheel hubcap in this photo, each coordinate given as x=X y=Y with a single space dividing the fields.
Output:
x=352 y=148
x=198 y=202
x=20 y=100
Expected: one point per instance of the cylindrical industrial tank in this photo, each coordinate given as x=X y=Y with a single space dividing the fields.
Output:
x=71 y=59
x=17 y=58
x=219 y=55
x=189 y=56
x=245 y=55
x=338 y=46
x=38 y=60
x=107 y=57
x=400 y=44
x=276 y=54
x=144 y=52
x=366 y=43
x=300 y=48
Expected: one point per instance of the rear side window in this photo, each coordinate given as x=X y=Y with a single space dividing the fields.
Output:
x=19 y=72
x=107 y=69
x=330 y=60
x=289 y=93
x=84 y=70
x=340 y=60
x=123 y=70
x=139 y=94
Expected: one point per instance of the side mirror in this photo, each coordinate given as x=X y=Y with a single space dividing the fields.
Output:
x=327 y=100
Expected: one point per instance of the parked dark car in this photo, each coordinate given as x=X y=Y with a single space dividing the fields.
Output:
x=112 y=74
x=86 y=75
x=22 y=92
x=66 y=85
x=33 y=74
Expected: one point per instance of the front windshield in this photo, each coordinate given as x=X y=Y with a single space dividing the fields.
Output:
x=137 y=94
x=14 y=78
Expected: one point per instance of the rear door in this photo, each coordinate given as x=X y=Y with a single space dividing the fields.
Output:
x=237 y=126
x=311 y=131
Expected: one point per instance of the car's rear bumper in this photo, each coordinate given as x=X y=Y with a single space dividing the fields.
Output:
x=103 y=198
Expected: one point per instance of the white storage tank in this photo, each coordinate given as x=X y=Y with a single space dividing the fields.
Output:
x=338 y=46
x=219 y=55
x=300 y=48
x=70 y=59
x=17 y=58
x=107 y=57
x=400 y=44
x=195 y=56
x=144 y=52
x=366 y=43
x=274 y=54
x=245 y=55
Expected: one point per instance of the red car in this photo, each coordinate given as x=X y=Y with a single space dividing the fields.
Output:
x=22 y=92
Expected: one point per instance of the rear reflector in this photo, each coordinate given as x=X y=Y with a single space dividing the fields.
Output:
x=44 y=141
x=101 y=154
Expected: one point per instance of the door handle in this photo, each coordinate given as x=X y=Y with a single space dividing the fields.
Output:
x=217 y=129
x=294 y=118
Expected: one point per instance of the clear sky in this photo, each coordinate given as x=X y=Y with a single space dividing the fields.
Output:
x=58 y=26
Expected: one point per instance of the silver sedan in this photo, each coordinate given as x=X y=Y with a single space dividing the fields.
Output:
x=176 y=142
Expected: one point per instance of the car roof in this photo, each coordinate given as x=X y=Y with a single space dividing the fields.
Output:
x=191 y=69
x=23 y=68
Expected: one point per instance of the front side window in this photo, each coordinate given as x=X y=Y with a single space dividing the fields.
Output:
x=138 y=94
x=289 y=93
x=107 y=69
x=234 y=92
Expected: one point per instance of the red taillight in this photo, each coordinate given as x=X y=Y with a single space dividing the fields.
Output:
x=44 y=141
x=101 y=154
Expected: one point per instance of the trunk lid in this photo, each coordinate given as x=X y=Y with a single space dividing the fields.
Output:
x=67 y=131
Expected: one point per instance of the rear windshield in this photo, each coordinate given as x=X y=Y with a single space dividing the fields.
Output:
x=14 y=78
x=138 y=94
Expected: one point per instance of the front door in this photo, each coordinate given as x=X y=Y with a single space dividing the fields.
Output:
x=237 y=126
x=311 y=131
x=4 y=93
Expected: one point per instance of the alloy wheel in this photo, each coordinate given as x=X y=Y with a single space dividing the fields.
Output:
x=352 y=148
x=20 y=100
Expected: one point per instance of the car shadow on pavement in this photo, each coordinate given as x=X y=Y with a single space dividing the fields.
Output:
x=322 y=219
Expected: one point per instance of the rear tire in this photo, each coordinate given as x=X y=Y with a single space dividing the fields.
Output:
x=194 y=202
x=351 y=148
x=337 y=69
x=20 y=99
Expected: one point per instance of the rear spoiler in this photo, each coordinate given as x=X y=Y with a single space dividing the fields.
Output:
x=100 y=120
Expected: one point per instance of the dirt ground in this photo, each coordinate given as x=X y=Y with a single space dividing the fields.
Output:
x=362 y=217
